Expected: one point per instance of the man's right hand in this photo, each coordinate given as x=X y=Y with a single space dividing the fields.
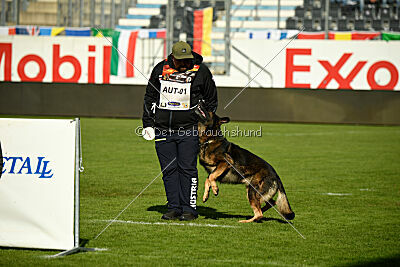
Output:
x=148 y=133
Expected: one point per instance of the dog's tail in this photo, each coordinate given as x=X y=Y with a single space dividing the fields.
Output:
x=283 y=203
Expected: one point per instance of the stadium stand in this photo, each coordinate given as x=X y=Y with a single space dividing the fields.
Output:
x=40 y=12
x=359 y=24
x=246 y=15
x=55 y=12
x=347 y=16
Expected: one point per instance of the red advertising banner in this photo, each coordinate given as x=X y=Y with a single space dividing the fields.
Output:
x=61 y=59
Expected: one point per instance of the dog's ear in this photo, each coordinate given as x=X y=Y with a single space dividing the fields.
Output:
x=224 y=120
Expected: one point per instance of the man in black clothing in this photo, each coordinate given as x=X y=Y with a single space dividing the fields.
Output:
x=176 y=87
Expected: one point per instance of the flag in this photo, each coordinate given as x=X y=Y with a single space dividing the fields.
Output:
x=125 y=41
x=311 y=35
x=353 y=35
x=339 y=35
x=45 y=31
x=77 y=31
x=390 y=36
x=202 y=28
x=102 y=32
x=50 y=31
x=271 y=34
x=5 y=30
x=344 y=36
x=27 y=30
x=57 y=30
x=152 y=33
x=260 y=35
x=365 y=35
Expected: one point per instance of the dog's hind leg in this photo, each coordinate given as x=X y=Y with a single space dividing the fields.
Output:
x=255 y=203
x=268 y=205
x=220 y=169
x=267 y=198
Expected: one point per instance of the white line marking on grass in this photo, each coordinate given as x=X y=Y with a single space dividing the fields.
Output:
x=306 y=134
x=173 y=223
x=112 y=221
x=298 y=134
x=320 y=133
x=337 y=194
x=77 y=250
x=365 y=189
x=253 y=262
x=213 y=260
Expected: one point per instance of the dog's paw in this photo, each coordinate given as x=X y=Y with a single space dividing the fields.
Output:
x=254 y=219
x=216 y=193
x=205 y=198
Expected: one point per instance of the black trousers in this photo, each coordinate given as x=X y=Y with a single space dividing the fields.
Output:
x=1 y=161
x=180 y=175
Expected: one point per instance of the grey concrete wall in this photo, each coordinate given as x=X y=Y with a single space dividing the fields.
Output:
x=254 y=104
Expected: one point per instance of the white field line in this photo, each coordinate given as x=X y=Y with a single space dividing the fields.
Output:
x=213 y=260
x=300 y=134
x=337 y=194
x=317 y=133
x=172 y=223
x=332 y=194
x=265 y=263
x=57 y=255
x=112 y=221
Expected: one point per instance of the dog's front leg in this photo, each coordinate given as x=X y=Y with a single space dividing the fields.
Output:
x=207 y=186
x=220 y=169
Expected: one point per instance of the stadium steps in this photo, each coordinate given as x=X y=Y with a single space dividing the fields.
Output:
x=44 y=12
x=245 y=15
x=143 y=11
x=40 y=12
x=134 y=22
x=237 y=25
x=153 y=2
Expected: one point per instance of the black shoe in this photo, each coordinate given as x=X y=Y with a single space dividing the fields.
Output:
x=171 y=215
x=187 y=216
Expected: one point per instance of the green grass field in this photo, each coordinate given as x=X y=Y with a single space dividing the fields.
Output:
x=357 y=224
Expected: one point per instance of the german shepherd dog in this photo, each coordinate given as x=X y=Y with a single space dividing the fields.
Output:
x=226 y=162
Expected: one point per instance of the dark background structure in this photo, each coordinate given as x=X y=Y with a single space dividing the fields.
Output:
x=253 y=104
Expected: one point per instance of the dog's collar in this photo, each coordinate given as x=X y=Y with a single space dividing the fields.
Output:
x=211 y=141
x=207 y=142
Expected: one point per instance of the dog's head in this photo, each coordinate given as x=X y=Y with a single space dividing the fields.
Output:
x=210 y=128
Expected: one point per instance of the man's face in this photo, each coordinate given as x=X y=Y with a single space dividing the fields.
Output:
x=183 y=65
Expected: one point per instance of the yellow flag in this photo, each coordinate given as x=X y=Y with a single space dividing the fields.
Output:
x=343 y=36
x=207 y=28
x=56 y=31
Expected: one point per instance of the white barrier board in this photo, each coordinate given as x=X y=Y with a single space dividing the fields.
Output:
x=37 y=183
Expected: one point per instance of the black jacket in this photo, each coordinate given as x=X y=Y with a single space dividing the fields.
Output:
x=203 y=87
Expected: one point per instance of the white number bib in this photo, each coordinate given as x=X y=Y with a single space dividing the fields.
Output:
x=174 y=95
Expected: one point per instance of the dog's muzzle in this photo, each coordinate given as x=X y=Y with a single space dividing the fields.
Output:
x=201 y=112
